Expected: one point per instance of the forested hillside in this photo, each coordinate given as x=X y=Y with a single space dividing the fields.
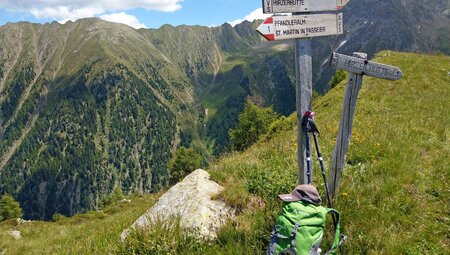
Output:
x=80 y=118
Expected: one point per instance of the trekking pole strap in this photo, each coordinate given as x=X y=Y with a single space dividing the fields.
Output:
x=337 y=234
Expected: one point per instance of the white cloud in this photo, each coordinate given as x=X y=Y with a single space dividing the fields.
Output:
x=123 y=18
x=65 y=13
x=256 y=14
x=75 y=9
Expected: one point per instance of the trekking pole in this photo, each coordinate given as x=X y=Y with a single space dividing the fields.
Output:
x=308 y=147
x=330 y=203
x=308 y=158
x=322 y=168
x=312 y=128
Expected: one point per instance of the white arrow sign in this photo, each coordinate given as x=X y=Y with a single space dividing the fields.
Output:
x=361 y=66
x=278 y=6
x=301 y=26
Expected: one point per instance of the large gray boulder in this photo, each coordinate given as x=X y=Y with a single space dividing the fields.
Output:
x=190 y=201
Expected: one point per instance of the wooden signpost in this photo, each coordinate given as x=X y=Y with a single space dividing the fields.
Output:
x=279 y=6
x=302 y=27
x=358 y=66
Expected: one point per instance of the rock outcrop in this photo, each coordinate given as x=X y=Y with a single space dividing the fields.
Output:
x=190 y=200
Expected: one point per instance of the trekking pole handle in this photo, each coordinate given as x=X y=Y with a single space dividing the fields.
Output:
x=308 y=124
x=309 y=114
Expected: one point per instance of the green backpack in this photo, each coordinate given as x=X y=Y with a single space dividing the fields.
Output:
x=299 y=229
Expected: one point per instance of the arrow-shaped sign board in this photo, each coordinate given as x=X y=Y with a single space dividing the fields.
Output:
x=279 y=6
x=361 y=66
x=301 y=26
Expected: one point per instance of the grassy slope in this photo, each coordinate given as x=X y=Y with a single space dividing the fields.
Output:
x=393 y=197
x=91 y=233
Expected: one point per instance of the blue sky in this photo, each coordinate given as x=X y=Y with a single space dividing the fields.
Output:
x=136 y=13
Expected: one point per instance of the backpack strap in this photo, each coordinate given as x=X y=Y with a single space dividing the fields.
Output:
x=294 y=234
x=337 y=227
x=273 y=241
x=291 y=250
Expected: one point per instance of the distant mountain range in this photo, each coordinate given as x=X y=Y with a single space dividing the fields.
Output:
x=90 y=106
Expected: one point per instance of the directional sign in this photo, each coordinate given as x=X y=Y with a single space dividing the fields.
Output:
x=277 y=6
x=361 y=66
x=301 y=26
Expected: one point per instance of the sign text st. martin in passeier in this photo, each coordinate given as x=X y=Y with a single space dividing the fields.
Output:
x=280 y=6
x=301 y=26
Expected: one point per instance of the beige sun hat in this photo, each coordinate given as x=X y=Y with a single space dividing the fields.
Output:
x=303 y=192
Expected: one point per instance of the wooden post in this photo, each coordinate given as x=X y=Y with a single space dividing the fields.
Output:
x=303 y=74
x=345 y=128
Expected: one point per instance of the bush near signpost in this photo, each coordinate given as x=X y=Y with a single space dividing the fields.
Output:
x=9 y=208
x=253 y=123
x=183 y=163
